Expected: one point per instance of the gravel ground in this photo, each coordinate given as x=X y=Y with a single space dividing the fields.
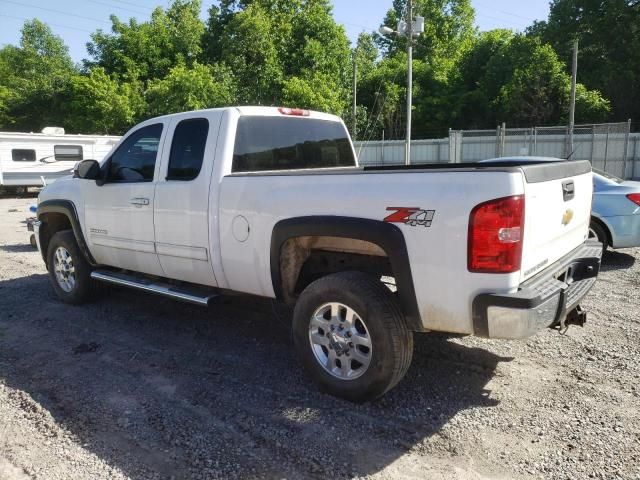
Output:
x=136 y=386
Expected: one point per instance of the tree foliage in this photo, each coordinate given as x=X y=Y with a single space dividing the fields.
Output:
x=609 y=47
x=449 y=30
x=34 y=78
x=99 y=103
x=292 y=52
x=150 y=49
x=515 y=79
x=202 y=86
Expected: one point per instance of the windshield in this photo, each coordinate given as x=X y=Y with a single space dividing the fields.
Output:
x=608 y=176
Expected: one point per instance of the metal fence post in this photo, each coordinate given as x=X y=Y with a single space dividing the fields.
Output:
x=593 y=142
x=606 y=148
x=636 y=157
x=535 y=140
x=498 y=141
x=626 y=149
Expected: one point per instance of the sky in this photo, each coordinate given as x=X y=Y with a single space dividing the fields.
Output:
x=74 y=20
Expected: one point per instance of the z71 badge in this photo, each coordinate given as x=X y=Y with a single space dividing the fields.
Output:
x=410 y=216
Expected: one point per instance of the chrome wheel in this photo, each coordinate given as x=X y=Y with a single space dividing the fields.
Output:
x=340 y=341
x=592 y=233
x=64 y=270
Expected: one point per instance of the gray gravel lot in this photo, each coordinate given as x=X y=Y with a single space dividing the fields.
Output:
x=137 y=386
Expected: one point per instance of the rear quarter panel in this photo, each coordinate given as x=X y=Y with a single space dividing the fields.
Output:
x=438 y=254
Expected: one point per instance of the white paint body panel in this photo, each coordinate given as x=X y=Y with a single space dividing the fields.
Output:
x=546 y=238
x=181 y=213
x=444 y=287
x=216 y=230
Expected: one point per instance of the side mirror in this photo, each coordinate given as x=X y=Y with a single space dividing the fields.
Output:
x=87 y=169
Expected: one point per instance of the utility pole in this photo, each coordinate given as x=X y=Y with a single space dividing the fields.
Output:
x=407 y=29
x=407 y=148
x=355 y=91
x=572 y=106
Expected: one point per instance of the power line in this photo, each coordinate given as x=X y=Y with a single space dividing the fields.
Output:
x=138 y=5
x=48 y=23
x=366 y=27
x=505 y=12
x=55 y=11
x=111 y=5
x=507 y=23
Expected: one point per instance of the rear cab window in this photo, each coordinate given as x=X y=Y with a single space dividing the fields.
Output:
x=268 y=143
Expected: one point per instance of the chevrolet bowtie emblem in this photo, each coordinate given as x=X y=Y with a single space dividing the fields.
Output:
x=566 y=218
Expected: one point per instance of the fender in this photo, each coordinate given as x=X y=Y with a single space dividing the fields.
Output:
x=67 y=208
x=386 y=235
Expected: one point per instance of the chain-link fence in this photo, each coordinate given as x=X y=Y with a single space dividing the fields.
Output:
x=610 y=147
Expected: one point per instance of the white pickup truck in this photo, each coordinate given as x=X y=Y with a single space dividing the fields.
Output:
x=271 y=202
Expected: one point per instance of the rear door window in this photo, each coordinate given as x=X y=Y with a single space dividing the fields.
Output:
x=290 y=143
x=187 y=149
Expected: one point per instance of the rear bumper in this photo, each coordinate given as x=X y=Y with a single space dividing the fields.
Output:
x=542 y=301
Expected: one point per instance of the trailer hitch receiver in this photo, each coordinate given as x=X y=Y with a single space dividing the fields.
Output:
x=577 y=316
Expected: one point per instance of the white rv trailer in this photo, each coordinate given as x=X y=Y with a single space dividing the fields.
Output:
x=36 y=159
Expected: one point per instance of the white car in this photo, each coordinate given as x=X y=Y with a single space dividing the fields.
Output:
x=271 y=202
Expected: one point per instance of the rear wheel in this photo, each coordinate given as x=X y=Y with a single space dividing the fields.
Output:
x=69 y=272
x=351 y=336
x=597 y=232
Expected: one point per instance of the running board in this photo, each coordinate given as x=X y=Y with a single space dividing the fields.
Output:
x=190 y=294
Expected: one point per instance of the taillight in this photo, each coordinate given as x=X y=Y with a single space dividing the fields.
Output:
x=634 y=197
x=496 y=229
x=298 y=112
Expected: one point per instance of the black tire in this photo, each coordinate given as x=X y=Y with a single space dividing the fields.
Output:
x=392 y=342
x=84 y=285
x=599 y=233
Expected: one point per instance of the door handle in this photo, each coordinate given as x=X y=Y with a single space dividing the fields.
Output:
x=139 y=201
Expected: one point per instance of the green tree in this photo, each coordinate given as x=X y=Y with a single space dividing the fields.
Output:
x=318 y=92
x=518 y=80
x=366 y=54
x=101 y=104
x=383 y=92
x=317 y=42
x=33 y=79
x=202 y=86
x=448 y=31
x=273 y=44
x=150 y=49
x=248 y=48
x=609 y=54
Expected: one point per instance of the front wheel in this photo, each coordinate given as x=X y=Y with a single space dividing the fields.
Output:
x=69 y=271
x=351 y=336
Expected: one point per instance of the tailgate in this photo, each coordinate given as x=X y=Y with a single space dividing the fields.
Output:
x=557 y=212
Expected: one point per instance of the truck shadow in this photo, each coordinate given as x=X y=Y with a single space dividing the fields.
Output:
x=18 y=248
x=616 y=260
x=155 y=387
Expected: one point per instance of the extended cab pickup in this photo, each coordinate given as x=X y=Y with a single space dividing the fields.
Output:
x=272 y=202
